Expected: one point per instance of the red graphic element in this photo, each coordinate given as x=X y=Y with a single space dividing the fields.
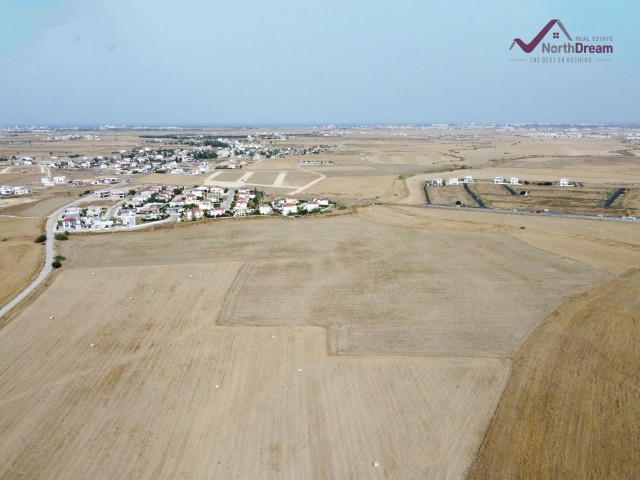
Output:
x=530 y=47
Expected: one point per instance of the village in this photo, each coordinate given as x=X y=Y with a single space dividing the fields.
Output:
x=175 y=154
x=156 y=203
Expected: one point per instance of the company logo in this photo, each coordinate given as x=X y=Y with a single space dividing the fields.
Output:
x=550 y=41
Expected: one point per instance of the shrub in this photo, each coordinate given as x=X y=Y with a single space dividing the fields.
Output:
x=61 y=236
x=60 y=258
x=41 y=239
x=56 y=264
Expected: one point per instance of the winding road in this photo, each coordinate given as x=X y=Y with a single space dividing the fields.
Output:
x=50 y=232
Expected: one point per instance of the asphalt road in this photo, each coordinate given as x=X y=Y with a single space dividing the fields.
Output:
x=49 y=245
x=227 y=203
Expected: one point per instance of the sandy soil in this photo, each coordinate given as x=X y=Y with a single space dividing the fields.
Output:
x=572 y=405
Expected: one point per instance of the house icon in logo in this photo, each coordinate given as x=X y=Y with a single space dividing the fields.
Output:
x=531 y=46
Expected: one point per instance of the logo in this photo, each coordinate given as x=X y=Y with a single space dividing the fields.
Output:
x=560 y=42
x=531 y=46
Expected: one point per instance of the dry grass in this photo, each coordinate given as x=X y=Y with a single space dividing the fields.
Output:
x=366 y=187
x=572 y=405
x=20 y=258
x=449 y=195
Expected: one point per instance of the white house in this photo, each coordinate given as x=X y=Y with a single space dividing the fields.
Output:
x=453 y=181
x=437 y=182
x=71 y=223
x=292 y=200
x=217 y=211
x=564 y=183
x=20 y=190
x=311 y=206
x=514 y=181
x=101 y=223
x=93 y=211
x=289 y=209
x=47 y=181
x=73 y=211
x=497 y=180
x=323 y=202
x=60 y=179
x=468 y=179
x=265 y=209
x=4 y=190
x=128 y=220
x=118 y=194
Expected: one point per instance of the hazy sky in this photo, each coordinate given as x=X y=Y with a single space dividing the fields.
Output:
x=249 y=62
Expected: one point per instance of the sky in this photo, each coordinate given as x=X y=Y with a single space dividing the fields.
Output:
x=308 y=62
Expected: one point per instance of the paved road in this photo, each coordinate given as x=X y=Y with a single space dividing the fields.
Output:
x=426 y=193
x=474 y=196
x=509 y=189
x=50 y=232
x=516 y=212
x=614 y=197
x=227 y=203
x=50 y=252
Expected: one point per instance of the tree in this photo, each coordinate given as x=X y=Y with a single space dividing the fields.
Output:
x=61 y=236
x=41 y=239
x=56 y=264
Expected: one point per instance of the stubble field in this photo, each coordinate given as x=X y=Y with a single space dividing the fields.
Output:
x=312 y=348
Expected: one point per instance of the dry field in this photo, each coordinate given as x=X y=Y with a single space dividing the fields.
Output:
x=143 y=402
x=263 y=178
x=356 y=187
x=312 y=348
x=449 y=195
x=587 y=199
x=413 y=300
x=299 y=179
x=20 y=258
x=572 y=405
x=630 y=200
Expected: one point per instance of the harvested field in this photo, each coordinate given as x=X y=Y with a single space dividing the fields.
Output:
x=367 y=187
x=399 y=303
x=374 y=276
x=313 y=347
x=572 y=404
x=229 y=175
x=263 y=178
x=39 y=207
x=20 y=257
x=610 y=246
x=144 y=403
x=299 y=179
